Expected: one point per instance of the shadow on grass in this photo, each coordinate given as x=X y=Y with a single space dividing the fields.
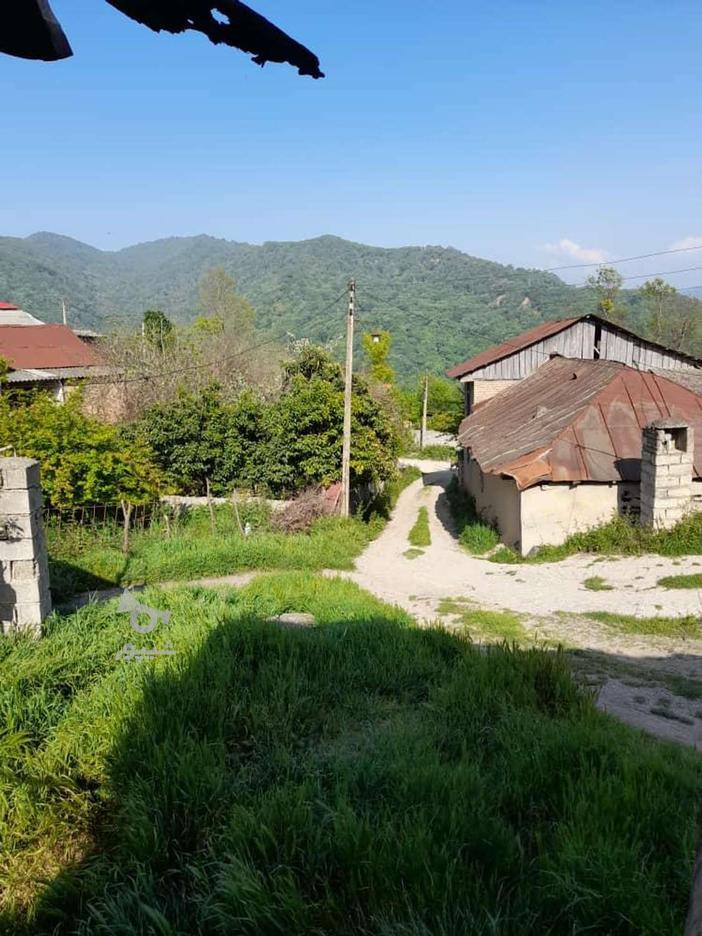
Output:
x=68 y=580
x=364 y=776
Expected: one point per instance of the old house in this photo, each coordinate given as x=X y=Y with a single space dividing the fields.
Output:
x=560 y=450
x=587 y=337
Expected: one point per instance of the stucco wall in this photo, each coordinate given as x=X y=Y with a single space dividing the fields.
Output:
x=496 y=499
x=551 y=512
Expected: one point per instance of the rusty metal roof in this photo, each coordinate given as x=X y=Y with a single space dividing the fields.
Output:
x=689 y=379
x=508 y=347
x=44 y=346
x=576 y=420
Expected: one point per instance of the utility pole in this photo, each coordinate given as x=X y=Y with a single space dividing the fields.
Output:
x=423 y=430
x=64 y=310
x=346 y=450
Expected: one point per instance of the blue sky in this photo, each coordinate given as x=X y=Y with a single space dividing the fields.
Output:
x=536 y=133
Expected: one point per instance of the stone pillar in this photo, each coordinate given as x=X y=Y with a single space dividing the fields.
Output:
x=24 y=569
x=667 y=451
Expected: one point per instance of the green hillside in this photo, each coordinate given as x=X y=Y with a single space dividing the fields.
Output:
x=440 y=304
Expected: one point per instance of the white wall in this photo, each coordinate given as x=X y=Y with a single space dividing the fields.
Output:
x=496 y=499
x=552 y=512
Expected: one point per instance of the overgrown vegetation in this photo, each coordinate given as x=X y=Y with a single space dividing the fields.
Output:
x=688 y=626
x=477 y=536
x=420 y=534
x=89 y=558
x=621 y=536
x=362 y=776
x=480 y=624
x=192 y=543
x=283 y=446
x=83 y=461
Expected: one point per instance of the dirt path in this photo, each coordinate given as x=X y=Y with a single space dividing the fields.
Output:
x=447 y=570
x=633 y=674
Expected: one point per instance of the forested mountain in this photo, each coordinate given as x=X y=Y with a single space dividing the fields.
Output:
x=441 y=305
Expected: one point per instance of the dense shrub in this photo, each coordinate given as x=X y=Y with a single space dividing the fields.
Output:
x=284 y=446
x=82 y=460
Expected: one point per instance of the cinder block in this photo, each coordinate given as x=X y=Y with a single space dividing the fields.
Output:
x=17 y=549
x=21 y=592
x=29 y=617
x=23 y=570
x=21 y=501
x=19 y=473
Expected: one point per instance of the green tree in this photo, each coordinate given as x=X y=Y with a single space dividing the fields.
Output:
x=376 y=346
x=82 y=460
x=658 y=296
x=224 y=309
x=306 y=423
x=158 y=329
x=187 y=438
x=607 y=284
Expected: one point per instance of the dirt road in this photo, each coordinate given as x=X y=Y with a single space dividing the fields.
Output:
x=633 y=674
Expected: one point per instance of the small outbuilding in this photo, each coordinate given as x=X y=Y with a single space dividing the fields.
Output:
x=560 y=451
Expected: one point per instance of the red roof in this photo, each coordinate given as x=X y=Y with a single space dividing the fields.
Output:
x=576 y=420
x=44 y=346
x=503 y=350
x=7 y=306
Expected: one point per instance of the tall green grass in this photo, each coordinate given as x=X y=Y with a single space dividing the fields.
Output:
x=474 y=534
x=86 y=558
x=622 y=537
x=363 y=776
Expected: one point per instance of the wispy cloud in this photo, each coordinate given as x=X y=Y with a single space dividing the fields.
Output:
x=568 y=248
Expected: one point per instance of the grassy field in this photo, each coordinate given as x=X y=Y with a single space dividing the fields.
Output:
x=360 y=777
x=85 y=558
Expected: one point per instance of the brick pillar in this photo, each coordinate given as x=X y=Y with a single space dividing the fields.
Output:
x=24 y=569
x=666 y=472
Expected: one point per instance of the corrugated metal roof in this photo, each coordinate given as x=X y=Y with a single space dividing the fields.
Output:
x=60 y=373
x=11 y=315
x=503 y=350
x=576 y=420
x=45 y=346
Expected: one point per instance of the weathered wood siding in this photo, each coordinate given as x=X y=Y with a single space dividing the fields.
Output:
x=578 y=341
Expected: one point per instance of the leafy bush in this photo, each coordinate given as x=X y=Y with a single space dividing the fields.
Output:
x=285 y=446
x=82 y=460
x=477 y=537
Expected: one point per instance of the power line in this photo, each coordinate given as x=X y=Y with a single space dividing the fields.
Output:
x=664 y=273
x=656 y=253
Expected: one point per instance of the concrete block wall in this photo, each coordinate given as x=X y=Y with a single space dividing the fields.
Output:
x=666 y=472
x=25 y=600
